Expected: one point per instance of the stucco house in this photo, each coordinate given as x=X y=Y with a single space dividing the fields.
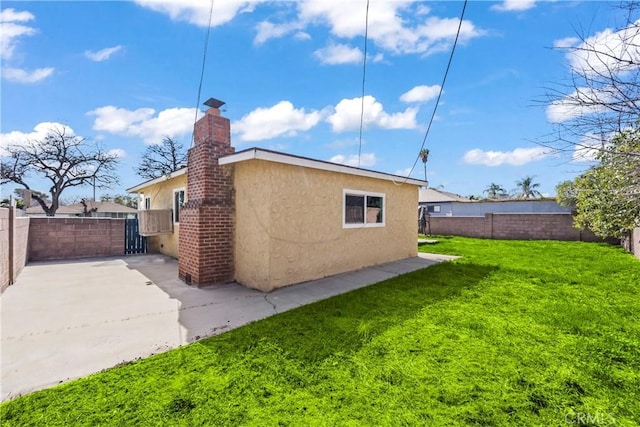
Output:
x=268 y=219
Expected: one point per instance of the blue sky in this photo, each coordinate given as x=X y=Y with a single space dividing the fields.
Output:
x=126 y=73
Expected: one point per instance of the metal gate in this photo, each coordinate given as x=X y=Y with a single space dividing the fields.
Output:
x=134 y=243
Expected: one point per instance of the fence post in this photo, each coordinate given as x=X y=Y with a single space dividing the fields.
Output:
x=488 y=226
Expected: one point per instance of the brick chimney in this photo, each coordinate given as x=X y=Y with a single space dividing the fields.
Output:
x=206 y=235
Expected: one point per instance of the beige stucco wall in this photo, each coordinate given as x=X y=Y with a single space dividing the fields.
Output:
x=289 y=224
x=161 y=195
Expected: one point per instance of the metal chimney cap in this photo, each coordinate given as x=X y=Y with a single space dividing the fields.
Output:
x=214 y=103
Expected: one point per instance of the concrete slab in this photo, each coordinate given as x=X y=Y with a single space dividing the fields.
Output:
x=65 y=320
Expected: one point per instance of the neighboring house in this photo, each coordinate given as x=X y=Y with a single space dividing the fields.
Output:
x=482 y=207
x=92 y=209
x=438 y=202
x=267 y=219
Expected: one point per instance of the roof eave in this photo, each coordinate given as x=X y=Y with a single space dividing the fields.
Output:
x=174 y=174
x=274 y=156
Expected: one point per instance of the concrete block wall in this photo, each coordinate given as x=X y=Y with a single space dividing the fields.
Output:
x=4 y=248
x=632 y=243
x=14 y=235
x=20 y=244
x=58 y=238
x=470 y=226
x=513 y=226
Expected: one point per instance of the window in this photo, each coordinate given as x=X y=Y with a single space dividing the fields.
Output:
x=433 y=209
x=362 y=209
x=147 y=203
x=178 y=203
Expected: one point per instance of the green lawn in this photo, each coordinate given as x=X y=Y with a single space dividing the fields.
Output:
x=514 y=333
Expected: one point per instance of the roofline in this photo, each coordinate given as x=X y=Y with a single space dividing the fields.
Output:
x=145 y=184
x=289 y=159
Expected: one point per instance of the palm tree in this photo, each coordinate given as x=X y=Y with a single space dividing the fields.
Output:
x=527 y=188
x=424 y=155
x=495 y=191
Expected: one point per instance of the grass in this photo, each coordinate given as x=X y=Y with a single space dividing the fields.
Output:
x=514 y=333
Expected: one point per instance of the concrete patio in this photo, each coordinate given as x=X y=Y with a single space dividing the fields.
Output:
x=65 y=320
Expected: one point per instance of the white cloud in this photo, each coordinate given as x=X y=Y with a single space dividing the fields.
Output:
x=103 y=54
x=392 y=25
x=339 y=54
x=587 y=149
x=266 y=30
x=514 y=5
x=301 y=35
x=281 y=119
x=117 y=152
x=11 y=30
x=346 y=116
x=197 y=11
x=583 y=101
x=366 y=159
x=607 y=52
x=142 y=123
x=420 y=93
x=517 y=157
x=378 y=57
x=18 y=75
x=566 y=42
x=39 y=132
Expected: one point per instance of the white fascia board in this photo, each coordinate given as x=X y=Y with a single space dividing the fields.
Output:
x=272 y=156
x=154 y=181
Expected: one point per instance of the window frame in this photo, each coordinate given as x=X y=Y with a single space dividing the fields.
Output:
x=176 y=212
x=360 y=193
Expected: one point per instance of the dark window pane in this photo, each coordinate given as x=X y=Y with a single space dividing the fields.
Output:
x=374 y=209
x=354 y=209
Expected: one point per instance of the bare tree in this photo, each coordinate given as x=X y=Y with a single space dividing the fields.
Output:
x=601 y=98
x=161 y=159
x=63 y=159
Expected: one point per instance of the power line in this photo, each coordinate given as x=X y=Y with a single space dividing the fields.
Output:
x=364 y=76
x=204 y=61
x=444 y=79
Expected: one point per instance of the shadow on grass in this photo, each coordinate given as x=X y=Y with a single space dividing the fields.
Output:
x=343 y=324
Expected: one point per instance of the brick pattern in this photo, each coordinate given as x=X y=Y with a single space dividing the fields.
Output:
x=513 y=226
x=4 y=248
x=16 y=258
x=20 y=245
x=69 y=238
x=205 y=246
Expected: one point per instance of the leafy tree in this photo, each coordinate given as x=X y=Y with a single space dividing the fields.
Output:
x=161 y=159
x=424 y=156
x=608 y=195
x=121 y=199
x=527 y=188
x=7 y=201
x=567 y=193
x=64 y=159
x=495 y=191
